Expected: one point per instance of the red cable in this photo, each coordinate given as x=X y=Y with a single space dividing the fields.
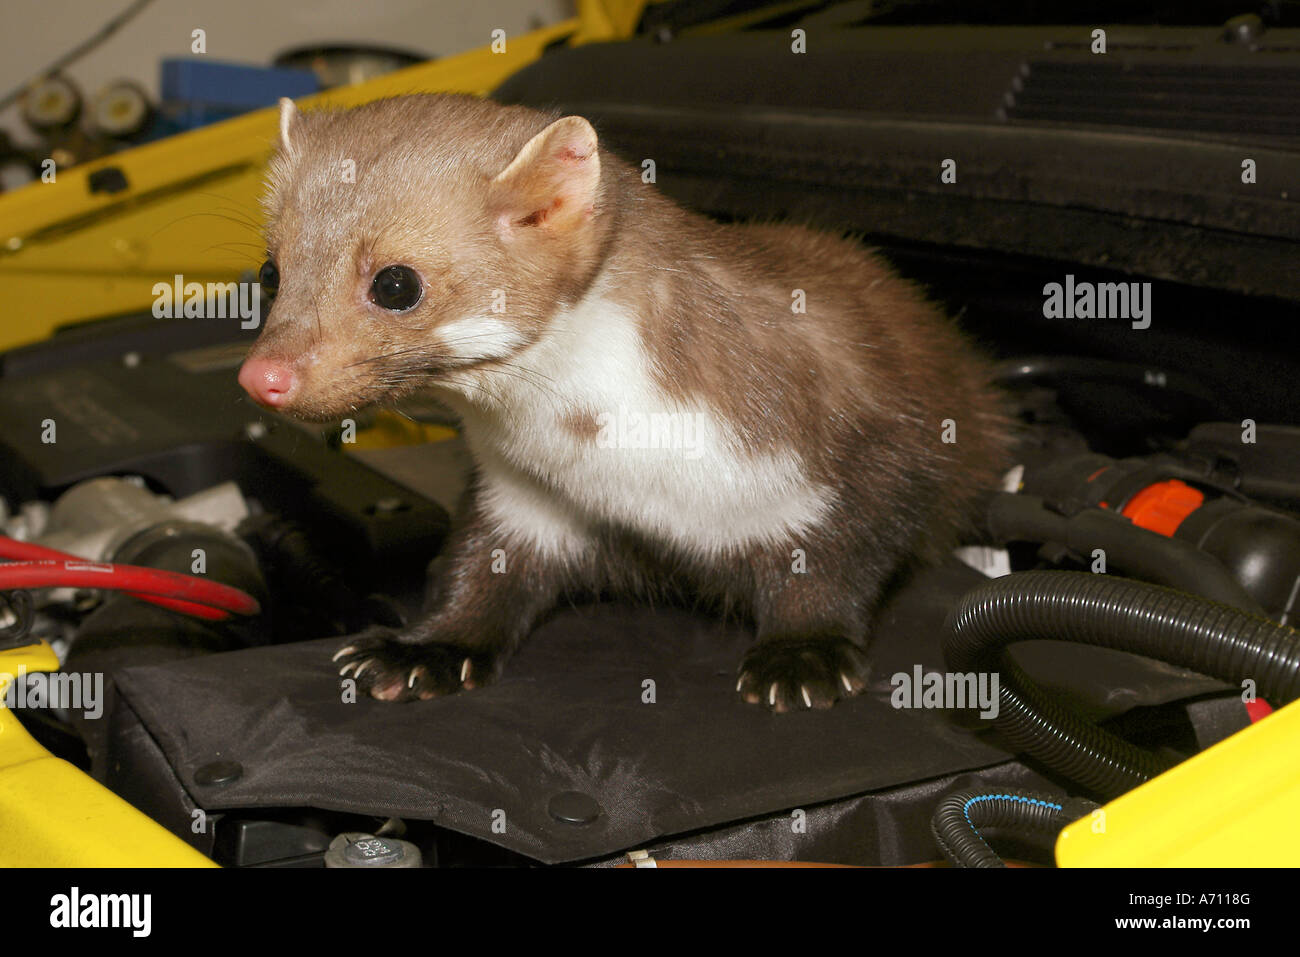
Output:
x=11 y=548
x=129 y=578
x=152 y=582
x=193 y=609
x=30 y=552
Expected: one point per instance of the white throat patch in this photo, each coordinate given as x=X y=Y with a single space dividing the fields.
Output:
x=673 y=472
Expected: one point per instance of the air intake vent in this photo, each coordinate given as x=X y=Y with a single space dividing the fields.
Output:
x=1257 y=100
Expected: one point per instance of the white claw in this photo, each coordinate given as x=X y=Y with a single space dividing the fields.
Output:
x=771 y=696
x=415 y=673
x=363 y=666
x=807 y=701
x=739 y=683
x=343 y=651
x=464 y=670
x=844 y=679
x=346 y=668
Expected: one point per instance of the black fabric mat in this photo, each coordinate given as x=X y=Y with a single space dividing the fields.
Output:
x=568 y=716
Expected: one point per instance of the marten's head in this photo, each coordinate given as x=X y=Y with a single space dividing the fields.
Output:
x=415 y=238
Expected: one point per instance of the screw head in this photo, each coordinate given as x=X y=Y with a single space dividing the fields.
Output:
x=573 y=807
x=218 y=772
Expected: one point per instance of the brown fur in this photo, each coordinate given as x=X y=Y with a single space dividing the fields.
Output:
x=482 y=199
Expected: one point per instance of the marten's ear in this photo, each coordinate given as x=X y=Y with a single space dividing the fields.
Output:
x=290 y=127
x=553 y=181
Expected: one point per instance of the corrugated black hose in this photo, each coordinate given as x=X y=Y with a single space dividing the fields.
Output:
x=957 y=822
x=1108 y=612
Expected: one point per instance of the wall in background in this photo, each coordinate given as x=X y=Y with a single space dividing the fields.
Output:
x=36 y=32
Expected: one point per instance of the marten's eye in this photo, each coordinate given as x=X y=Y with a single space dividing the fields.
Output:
x=269 y=277
x=396 y=288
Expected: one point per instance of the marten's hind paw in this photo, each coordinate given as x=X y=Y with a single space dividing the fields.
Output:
x=794 y=674
x=389 y=669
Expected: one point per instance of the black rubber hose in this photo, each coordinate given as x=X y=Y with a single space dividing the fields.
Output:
x=957 y=821
x=19 y=611
x=1106 y=612
x=1132 y=550
x=1199 y=403
x=303 y=580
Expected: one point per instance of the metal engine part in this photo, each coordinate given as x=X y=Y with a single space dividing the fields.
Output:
x=93 y=519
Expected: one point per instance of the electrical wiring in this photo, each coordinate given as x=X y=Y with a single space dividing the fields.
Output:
x=37 y=566
x=127 y=578
x=14 y=550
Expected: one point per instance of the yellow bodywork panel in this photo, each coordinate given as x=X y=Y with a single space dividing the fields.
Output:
x=191 y=203
x=53 y=815
x=1233 y=805
x=389 y=430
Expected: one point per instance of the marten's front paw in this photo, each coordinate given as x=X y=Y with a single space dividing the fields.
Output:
x=390 y=669
x=791 y=674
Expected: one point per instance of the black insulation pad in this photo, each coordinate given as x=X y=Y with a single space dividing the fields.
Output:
x=568 y=716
